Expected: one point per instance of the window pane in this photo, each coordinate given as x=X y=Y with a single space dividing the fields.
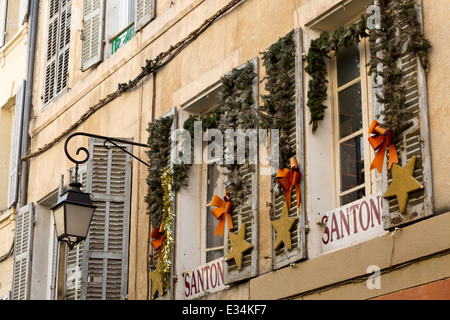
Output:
x=348 y=198
x=350 y=110
x=214 y=255
x=215 y=186
x=348 y=66
x=352 y=163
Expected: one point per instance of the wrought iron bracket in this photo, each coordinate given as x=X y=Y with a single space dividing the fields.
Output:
x=107 y=140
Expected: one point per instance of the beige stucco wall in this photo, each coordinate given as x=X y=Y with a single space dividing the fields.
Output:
x=435 y=15
x=239 y=36
x=13 y=58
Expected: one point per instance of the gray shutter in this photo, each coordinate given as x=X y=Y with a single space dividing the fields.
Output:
x=16 y=140
x=145 y=12
x=74 y=257
x=415 y=142
x=248 y=214
x=3 y=10
x=283 y=256
x=105 y=262
x=93 y=25
x=64 y=45
x=58 y=47
x=153 y=259
x=52 y=51
x=22 y=252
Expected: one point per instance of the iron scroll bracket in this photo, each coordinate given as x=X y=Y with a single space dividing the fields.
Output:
x=108 y=143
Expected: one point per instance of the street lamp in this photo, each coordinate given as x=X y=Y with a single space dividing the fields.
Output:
x=73 y=214
x=74 y=211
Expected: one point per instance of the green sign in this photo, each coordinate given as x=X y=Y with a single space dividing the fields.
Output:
x=122 y=38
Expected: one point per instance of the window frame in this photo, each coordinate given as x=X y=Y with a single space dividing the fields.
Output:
x=204 y=172
x=367 y=115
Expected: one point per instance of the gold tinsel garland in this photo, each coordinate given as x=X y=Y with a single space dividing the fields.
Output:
x=167 y=222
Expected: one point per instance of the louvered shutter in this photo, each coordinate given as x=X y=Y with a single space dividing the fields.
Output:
x=64 y=45
x=3 y=8
x=22 y=252
x=52 y=50
x=74 y=257
x=414 y=142
x=58 y=47
x=105 y=262
x=93 y=25
x=283 y=256
x=153 y=259
x=16 y=140
x=145 y=12
x=246 y=213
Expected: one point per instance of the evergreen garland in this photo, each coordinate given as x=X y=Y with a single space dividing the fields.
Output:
x=317 y=68
x=159 y=156
x=400 y=33
x=279 y=60
x=237 y=111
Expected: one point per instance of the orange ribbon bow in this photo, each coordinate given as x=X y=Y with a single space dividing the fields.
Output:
x=381 y=138
x=222 y=212
x=158 y=235
x=290 y=179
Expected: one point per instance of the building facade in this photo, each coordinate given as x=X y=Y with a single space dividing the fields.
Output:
x=13 y=75
x=192 y=224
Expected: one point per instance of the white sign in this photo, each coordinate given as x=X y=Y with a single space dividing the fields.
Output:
x=355 y=222
x=204 y=279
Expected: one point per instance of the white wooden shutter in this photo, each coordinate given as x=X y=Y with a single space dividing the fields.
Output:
x=22 y=252
x=3 y=10
x=246 y=213
x=93 y=25
x=58 y=47
x=283 y=256
x=145 y=12
x=153 y=259
x=105 y=262
x=16 y=140
x=74 y=257
x=415 y=142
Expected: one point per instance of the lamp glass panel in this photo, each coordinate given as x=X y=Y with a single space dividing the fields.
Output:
x=58 y=214
x=78 y=219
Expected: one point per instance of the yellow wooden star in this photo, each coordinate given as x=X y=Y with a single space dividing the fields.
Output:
x=157 y=280
x=238 y=246
x=283 y=227
x=403 y=183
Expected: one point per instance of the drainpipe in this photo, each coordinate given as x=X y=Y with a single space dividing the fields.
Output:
x=32 y=30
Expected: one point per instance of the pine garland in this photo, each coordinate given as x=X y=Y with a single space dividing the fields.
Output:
x=401 y=32
x=316 y=64
x=159 y=156
x=237 y=111
x=279 y=60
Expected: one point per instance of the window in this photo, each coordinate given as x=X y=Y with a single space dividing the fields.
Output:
x=351 y=123
x=213 y=183
x=107 y=26
x=119 y=24
x=58 y=48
